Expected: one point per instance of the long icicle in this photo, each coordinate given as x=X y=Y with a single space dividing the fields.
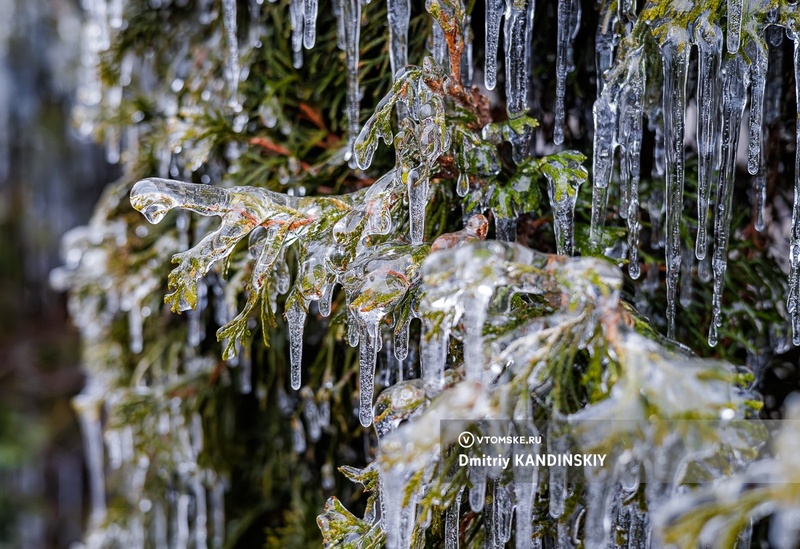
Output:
x=605 y=130
x=734 y=96
x=351 y=13
x=709 y=44
x=398 y=13
x=569 y=15
x=794 y=244
x=232 y=69
x=735 y=8
x=675 y=55
x=758 y=80
x=494 y=14
x=295 y=319
x=631 y=137
x=366 y=372
x=518 y=34
x=310 y=24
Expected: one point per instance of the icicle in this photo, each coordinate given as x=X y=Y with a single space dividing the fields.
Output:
x=135 y=328
x=687 y=264
x=605 y=41
x=605 y=122
x=525 y=487
x=503 y=510
x=87 y=407
x=232 y=69
x=709 y=43
x=399 y=13
x=466 y=56
x=351 y=15
x=773 y=94
x=597 y=512
x=434 y=348
x=326 y=300
x=630 y=136
x=494 y=14
x=182 y=522
x=439 y=45
x=312 y=415
x=758 y=79
x=734 y=96
x=518 y=37
x=296 y=14
x=477 y=494
x=557 y=443
x=704 y=269
x=474 y=318
x=310 y=24
x=366 y=372
x=298 y=436
x=563 y=194
x=397 y=519
x=452 y=524
x=217 y=510
x=735 y=8
x=794 y=242
x=761 y=194
x=569 y=14
x=401 y=340
x=675 y=57
x=295 y=319
x=159 y=525
x=200 y=515
x=417 y=201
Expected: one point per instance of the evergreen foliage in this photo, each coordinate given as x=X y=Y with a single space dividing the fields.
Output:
x=373 y=197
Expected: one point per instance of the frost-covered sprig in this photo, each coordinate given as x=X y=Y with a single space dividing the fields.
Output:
x=717 y=515
x=630 y=376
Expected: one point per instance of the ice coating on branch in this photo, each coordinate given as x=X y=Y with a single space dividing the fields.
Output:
x=739 y=500
x=423 y=135
x=474 y=231
x=569 y=17
x=375 y=284
x=233 y=68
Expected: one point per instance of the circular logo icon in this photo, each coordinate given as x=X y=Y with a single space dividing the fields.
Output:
x=466 y=439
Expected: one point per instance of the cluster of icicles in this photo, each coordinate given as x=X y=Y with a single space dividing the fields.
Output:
x=191 y=512
x=723 y=81
x=624 y=99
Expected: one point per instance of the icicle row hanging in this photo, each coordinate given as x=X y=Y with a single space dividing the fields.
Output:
x=721 y=101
